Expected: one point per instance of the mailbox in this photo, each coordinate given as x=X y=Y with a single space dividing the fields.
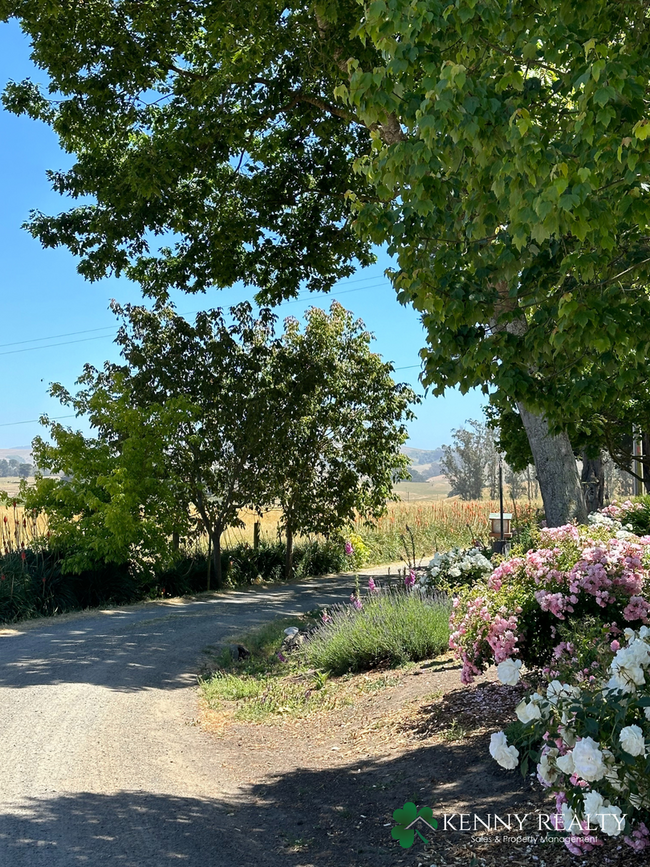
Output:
x=495 y=525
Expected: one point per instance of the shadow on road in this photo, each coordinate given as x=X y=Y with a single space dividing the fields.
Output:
x=148 y=647
x=332 y=817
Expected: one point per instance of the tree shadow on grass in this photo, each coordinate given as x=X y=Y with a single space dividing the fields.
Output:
x=307 y=817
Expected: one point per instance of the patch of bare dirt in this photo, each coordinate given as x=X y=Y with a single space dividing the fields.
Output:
x=330 y=783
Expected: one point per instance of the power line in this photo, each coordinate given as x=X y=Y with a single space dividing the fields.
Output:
x=33 y=420
x=51 y=345
x=301 y=297
x=187 y=313
x=56 y=336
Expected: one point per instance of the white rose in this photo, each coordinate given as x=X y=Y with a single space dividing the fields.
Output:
x=588 y=760
x=646 y=711
x=565 y=764
x=527 y=711
x=557 y=690
x=610 y=820
x=546 y=768
x=639 y=651
x=593 y=802
x=570 y=821
x=644 y=632
x=504 y=755
x=628 y=633
x=508 y=671
x=454 y=572
x=632 y=740
x=623 y=680
x=626 y=669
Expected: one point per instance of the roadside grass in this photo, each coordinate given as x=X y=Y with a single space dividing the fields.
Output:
x=267 y=685
x=391 y=629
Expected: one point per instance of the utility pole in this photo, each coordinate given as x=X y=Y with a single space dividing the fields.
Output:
x=502 y=538
x=637 y=463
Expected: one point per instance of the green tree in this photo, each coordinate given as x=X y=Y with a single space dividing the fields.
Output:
x=114 y=501
x=183 y=429
x=502 y=151
x=204 y=419
x=465 y=463
x=340 y=425
x=520 y=169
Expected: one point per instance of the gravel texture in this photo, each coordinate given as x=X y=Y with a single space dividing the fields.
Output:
x=103 y=762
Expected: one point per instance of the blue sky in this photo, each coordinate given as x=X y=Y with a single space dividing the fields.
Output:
x=53 y=321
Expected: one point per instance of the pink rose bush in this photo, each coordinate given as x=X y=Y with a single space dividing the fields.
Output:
x=575 y=573
x=575 y=612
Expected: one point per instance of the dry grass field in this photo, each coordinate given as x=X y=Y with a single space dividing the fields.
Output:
x=437 y=521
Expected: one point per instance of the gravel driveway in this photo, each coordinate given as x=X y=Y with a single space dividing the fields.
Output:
x=102 y=760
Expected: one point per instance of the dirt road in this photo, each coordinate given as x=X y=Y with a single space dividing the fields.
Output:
x=102 y=762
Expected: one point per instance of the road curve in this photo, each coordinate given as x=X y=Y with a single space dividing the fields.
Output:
x=101 y=763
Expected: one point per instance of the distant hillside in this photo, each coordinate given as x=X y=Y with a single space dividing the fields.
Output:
x=22 y=454
x=425 y=463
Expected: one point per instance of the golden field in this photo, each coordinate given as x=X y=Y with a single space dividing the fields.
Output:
x=437 y=521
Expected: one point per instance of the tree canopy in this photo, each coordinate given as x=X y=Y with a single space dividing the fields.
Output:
x=340 y=425
x=500 y=149
x=204 y=419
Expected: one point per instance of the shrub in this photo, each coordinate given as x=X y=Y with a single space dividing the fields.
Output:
x=384 y=628
x=577 y=573
x=634 y=516
x=246 y=564
x=460 y=567
x=589 y=740
x=32 y=584
x=356 y=551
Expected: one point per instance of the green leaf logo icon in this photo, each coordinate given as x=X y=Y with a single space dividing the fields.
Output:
x=407 y=819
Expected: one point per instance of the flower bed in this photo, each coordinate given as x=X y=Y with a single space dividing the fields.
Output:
x=572 y=615
x=520 y=610
x=590 y=746
x=460 y=567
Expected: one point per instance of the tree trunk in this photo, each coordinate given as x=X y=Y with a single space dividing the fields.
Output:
x=556 y=468
x=593 y=482
x=288 y=562
x=216 y=558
